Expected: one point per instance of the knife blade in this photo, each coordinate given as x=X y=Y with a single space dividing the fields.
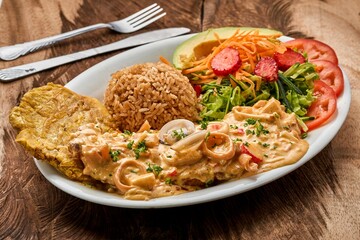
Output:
x=13 y=73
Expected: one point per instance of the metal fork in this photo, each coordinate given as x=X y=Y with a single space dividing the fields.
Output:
x=130 y=24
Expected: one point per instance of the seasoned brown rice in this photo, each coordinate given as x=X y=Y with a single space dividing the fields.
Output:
x=154 y=92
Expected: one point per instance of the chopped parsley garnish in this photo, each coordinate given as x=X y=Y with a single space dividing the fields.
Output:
x=130 y=144
x=127 y=132
x=260 y=129
x=178 y=134
x=157 y=169
x=251 y=121
x=114 y=154
x=168 y=181
x=233 y=126
x=237 y=140
x=204 y=124
x=264 y=144
x=207 y=136
x=141 y=147
x=248 y=132
x=154 y=168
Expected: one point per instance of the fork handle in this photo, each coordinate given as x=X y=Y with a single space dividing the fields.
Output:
x=15 y=51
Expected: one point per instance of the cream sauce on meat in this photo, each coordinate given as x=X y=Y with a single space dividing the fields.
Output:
x=139 y=166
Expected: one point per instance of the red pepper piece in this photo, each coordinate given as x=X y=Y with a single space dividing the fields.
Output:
x=197 y=89
x=227 y=61
x=267 y=69
x=288 y=58
x=246 y=151
x=173 y=173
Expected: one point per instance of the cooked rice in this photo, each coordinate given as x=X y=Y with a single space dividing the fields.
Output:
x=154 y=92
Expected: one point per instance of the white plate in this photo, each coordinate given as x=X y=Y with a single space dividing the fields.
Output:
x=93 y=82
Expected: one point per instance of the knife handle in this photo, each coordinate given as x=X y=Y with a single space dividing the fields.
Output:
x=15 y=51
x=13 y=73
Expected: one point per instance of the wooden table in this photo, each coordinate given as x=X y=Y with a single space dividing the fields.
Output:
x=320 y=200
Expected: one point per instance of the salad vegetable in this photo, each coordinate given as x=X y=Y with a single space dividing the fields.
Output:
x=248 y=67
x=225 y=62
x=330 y=74
x=267 y=69
x=314 y=49
x=288 y=58
x=323 y=107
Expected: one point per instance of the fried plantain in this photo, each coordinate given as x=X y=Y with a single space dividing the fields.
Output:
x=46 y=119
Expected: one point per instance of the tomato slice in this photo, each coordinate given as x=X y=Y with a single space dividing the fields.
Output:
x=323 y=107
x=330 y=74
x=314 y=49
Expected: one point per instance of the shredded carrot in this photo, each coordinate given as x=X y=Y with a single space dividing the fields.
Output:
x=251 y=46
x=246 y=74
x=233 y=83
x=211 y=76
x=194 y=69
x=164 y=60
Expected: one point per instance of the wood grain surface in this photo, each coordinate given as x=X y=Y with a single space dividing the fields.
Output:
x=320 y=200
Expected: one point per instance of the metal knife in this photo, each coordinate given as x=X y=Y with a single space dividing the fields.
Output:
x=10 y=74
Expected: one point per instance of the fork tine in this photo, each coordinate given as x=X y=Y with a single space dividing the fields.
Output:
x=150 y=21
x=138 y=22
x=133 y=20
x=140 y=12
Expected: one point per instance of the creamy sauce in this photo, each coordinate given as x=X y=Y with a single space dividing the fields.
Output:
x=248 y=141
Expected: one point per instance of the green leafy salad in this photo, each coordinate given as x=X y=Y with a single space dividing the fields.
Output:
x=293 y=89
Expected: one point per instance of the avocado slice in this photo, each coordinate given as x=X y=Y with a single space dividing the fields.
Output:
x=202 y=43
